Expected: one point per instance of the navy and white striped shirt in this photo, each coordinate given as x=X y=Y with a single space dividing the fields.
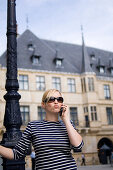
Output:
x=51 y=144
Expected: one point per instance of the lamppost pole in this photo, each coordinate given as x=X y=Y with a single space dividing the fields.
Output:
x=12 y=118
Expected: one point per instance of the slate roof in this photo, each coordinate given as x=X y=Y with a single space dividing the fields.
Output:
x=86 y=67
x=76 y=58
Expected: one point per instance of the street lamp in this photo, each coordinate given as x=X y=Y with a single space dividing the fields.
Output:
x=12 y=118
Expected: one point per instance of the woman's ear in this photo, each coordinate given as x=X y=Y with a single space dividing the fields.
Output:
x=43 y=105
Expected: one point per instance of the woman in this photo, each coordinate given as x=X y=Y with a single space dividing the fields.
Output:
x=52 y=139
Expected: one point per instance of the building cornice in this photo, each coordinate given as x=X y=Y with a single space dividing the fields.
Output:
x=47 y=71
x=105 y=78
x=54 y=72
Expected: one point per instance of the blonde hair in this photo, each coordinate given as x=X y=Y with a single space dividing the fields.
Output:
x=48 y=93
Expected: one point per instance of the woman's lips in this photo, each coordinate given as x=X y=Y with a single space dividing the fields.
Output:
x=56 y=106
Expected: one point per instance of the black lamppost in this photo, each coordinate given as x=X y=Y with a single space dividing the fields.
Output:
x=12 y=118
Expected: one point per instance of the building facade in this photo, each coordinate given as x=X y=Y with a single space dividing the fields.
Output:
x=85 y=78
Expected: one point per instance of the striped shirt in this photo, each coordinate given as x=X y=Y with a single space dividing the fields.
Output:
x=51 y=144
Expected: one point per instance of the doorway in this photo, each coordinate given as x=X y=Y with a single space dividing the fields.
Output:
x=105 y=147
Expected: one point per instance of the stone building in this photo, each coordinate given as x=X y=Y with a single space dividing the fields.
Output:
x=83 y=74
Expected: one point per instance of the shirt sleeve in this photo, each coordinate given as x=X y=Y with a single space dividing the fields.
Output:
x=79 y=147
x=21 y=148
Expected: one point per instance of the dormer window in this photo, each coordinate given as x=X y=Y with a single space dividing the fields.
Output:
x=36 y=59
x=101 y=66
x=111 y=71
x=30 y=47
x=92 y=56
x=102 y=69
x=110 y=67
x=58 y=62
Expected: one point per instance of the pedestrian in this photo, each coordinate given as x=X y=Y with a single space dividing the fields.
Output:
x=33 y=160
x=51 y=138
x=83 y=160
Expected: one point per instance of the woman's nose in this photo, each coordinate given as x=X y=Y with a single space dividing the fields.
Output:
x=56 y=101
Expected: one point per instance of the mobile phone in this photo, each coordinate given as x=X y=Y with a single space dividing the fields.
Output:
x=61 y=110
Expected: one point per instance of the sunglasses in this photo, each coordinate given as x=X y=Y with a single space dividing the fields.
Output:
x=52 y=99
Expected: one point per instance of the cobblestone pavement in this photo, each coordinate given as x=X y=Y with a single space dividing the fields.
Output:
x=94 y=167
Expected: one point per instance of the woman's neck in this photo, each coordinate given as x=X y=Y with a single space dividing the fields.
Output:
x=52 y=118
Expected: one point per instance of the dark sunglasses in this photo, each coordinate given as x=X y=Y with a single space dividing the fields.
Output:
x=52 y=99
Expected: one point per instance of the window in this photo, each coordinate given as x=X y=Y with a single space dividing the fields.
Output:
x=58 y=62
x=23 y=82
x=74 y=115
x=107 y=92
x=92 y=56
x=35 y=59
x=84 y=80
x=83 y=84
x=93 y=113
x=71 y=85
x=41 y=113
x=31 y=47
x=56 y=83
x=91 y=84
x=102 y=69
x=109 y=115
x=111 y=71
x=86 y=109
x=87 y=123
x=40 y=83
x=25 y=114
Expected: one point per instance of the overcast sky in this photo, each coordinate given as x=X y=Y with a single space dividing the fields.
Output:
x=61 y=20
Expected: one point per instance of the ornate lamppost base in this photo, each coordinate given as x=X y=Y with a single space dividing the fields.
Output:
x=13 y=165
x=12 y=118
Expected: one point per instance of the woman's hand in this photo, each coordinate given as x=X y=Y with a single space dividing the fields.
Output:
x=6 y=152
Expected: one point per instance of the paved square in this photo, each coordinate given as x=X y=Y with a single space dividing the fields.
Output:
x=96 y=167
